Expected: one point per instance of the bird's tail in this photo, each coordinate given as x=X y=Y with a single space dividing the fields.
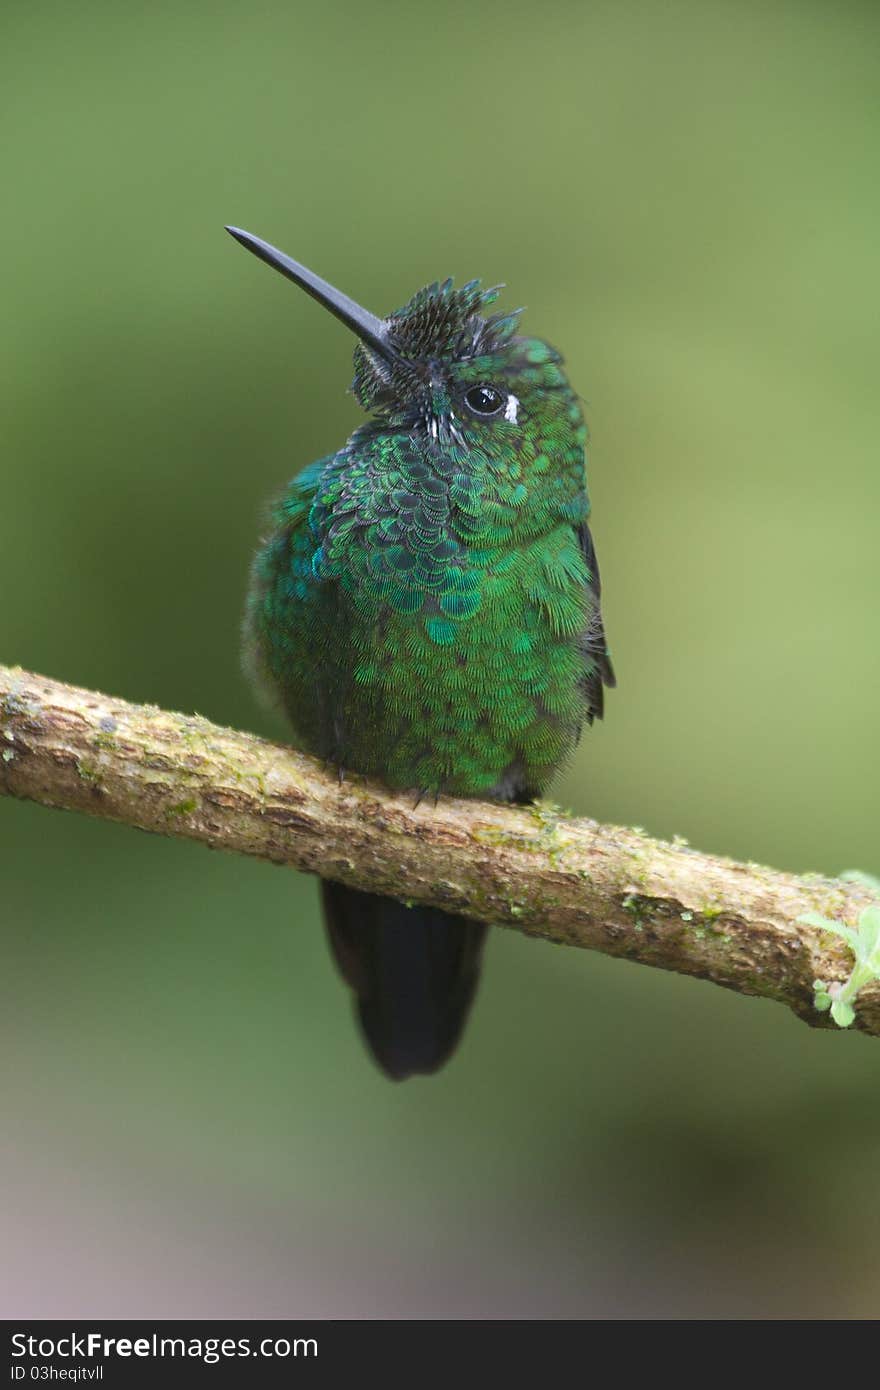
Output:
x=414 y=971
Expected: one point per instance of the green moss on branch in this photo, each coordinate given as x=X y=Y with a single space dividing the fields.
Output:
x=533 y=869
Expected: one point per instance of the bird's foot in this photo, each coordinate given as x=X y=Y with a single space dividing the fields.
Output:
x=423 y=792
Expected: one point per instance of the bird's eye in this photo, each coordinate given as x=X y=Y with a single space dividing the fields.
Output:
x=484 y=400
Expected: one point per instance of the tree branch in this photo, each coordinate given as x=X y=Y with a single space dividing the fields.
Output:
x=572 y=881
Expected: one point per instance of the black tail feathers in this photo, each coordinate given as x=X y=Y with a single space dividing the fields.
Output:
x=414 y=971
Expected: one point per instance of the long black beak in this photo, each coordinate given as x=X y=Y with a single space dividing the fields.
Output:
x=369 y=329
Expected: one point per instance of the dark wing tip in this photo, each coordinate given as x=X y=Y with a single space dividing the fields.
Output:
x=595 y=645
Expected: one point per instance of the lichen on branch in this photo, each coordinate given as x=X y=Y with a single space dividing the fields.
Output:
x=573 y=881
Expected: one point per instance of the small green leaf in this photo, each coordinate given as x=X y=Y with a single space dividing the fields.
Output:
x=814 y=919
x=849 y=934
x=843 y=1014
x=866 y=880
x=864 y=942
x=869 y=932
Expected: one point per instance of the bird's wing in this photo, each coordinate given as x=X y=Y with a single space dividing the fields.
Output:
x=595 y=647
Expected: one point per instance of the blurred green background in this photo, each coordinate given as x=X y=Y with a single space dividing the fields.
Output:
x=686 y=198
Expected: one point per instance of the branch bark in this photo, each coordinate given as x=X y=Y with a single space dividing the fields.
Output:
x=572 y=881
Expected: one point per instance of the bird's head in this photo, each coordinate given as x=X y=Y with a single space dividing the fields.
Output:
x=448 y=365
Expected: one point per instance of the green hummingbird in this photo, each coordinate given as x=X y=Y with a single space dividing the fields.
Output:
x=425 y=607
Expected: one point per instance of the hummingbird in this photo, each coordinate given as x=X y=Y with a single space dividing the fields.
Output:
x=425 y=608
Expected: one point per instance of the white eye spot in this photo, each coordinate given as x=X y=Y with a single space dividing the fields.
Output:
x=511 y=408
